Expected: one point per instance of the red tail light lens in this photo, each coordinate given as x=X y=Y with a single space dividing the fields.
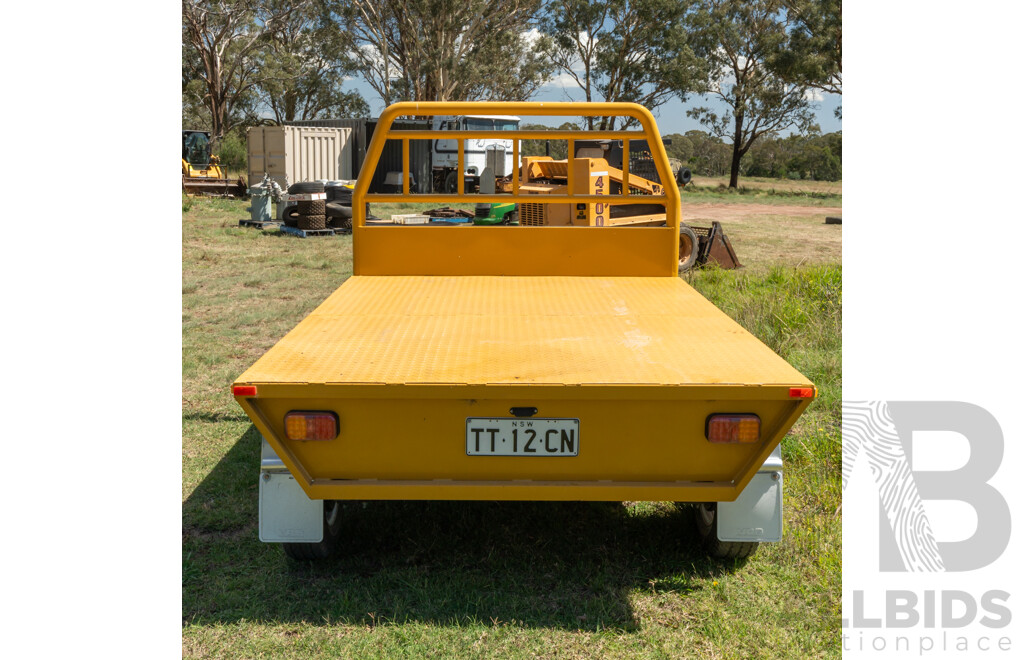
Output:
x=244 y=390
x=733 y=427
x=299 y=425
x=801 y=392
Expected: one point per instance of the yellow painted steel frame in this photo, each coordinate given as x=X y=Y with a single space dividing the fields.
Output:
x=581 y=251
x=646 y=438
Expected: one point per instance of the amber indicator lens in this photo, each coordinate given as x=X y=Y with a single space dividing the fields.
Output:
x=733 y=427
x=302 y=425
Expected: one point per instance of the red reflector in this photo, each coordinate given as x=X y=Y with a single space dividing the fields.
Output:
x=801 y=393
x=300 y=425
x=244 y=390
x=733 y=428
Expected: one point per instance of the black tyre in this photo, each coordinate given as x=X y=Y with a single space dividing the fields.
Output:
x=323 y=549
x=688 y=245
x=706 y=516
x=340 y=223
x=337 y=192
x=307 y=222
x=511 y=218
x=305 y=187
x=315 y=207
x=451 y=184
x=291 y=216
x=338 y=211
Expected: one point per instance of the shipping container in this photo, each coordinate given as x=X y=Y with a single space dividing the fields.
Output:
x=290 y=154
x=357 y=140
x=391 y=159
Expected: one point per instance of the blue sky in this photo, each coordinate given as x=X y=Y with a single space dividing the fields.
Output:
x=671 y=116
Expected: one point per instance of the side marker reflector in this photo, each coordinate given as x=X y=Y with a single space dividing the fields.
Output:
x=801 y=393
x=244 y=390
x=733 y=428
x=312 y=425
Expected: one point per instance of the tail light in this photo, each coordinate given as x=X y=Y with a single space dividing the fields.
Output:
x=305 y=425
x=733 y=427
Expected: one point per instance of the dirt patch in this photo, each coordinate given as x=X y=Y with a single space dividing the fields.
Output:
x=723 y=212
x=763 y=234
x=757 y=183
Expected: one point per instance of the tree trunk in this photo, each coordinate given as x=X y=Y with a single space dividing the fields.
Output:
x=734 y=169
x=216 y=118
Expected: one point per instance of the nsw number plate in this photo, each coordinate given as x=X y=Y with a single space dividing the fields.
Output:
x=507 y=436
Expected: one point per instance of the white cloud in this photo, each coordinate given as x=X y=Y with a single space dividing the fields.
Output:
x=530 y=37
x=562 y=80
x=371 y=53
x=814 y=95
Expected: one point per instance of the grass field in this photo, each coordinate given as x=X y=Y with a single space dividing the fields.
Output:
x=445 y=579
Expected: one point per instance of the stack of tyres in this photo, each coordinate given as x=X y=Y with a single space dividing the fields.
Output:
x=311 y=213
x=339 y=206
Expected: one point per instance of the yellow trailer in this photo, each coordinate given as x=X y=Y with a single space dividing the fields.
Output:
x=520 y=363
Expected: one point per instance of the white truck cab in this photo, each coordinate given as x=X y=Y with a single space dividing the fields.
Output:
x=444 y=153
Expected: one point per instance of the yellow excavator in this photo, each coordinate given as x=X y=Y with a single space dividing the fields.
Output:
x=600 y=169
x=201 y=173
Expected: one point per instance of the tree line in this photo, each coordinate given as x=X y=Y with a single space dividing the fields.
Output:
x=812 y=156
x=245 y=61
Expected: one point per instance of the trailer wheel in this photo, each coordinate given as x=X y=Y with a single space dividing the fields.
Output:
x=706 y=515
x=451 y=184
x=687 y=248
x=323 y=549
x=511 y=218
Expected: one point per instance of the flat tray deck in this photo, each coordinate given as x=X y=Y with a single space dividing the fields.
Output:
x=540 y=330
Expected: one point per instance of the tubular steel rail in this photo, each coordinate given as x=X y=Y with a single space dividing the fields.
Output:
x=412 y=250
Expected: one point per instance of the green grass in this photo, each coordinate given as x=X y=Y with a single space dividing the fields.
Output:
x=487 y=579
x=798 y=313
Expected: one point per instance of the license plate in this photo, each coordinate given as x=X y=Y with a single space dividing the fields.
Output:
x=507 y=436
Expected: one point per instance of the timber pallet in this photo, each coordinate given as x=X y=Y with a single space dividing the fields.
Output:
x=259 y=224
x=306 y=233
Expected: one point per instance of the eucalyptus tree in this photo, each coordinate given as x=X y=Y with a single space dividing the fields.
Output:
x=438 y=50
x=624 y=50
x=739 y=38
x=223 y=44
